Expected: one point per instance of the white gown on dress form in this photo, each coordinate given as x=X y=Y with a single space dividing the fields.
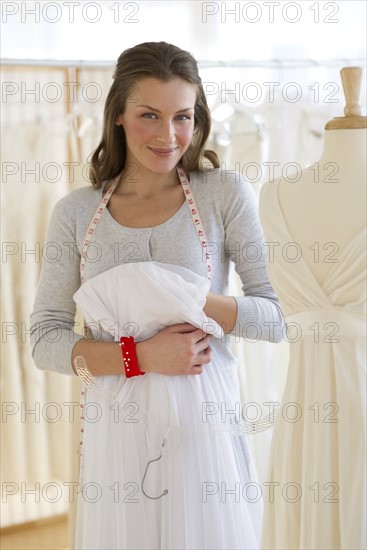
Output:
x=213 y=500
x=318 y=458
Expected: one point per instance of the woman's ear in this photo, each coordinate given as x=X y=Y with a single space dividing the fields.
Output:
x=118 y=121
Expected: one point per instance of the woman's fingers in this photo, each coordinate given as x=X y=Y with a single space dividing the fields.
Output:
x=196 y=369
x=183 y=328
x=176 y=350
x=204 y=343
x=203 y=357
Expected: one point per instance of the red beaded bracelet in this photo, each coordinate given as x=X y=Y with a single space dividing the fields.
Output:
x=128 y=350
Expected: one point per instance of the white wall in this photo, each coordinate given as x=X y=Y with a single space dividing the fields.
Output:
x=211 y=30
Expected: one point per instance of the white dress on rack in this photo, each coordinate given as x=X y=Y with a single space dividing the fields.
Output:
x=207 y=493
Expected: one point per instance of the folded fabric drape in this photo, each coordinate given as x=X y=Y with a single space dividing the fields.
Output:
x=199 y=465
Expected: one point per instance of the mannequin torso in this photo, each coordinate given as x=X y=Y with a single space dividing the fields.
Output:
x=327 y=205
x=323 y=211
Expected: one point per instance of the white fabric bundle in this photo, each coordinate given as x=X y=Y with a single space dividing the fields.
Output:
x=211 y=496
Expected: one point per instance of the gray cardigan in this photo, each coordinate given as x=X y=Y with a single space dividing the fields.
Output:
x=228 y=209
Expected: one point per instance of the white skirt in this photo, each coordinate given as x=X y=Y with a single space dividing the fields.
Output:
x=165 y=462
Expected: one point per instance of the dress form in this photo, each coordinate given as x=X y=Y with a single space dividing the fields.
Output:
x=326 y=203
x=324 y=306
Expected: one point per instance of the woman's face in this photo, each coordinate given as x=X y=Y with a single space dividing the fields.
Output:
x=158 y=123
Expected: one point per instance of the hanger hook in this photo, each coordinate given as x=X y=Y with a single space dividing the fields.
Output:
x=146 y=471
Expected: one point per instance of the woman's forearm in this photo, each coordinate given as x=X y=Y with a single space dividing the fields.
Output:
x=104 y=358
x=101 y=358
x=175 y=350
x=223 y=309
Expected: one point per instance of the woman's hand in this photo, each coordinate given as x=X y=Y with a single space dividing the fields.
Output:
x=176 y=350
x=223 y=309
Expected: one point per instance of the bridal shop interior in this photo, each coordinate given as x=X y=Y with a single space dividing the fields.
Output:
x=271 y=75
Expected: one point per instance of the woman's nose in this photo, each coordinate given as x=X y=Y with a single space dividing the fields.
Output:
x=166 y=132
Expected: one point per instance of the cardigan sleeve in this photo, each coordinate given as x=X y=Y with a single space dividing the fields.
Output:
x=53 y=316
x=259 y=315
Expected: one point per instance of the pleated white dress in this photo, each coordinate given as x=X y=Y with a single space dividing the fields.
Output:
x=202 y=492
x=317 y=474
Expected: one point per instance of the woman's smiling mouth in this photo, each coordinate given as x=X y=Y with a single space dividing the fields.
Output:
x=163 y=152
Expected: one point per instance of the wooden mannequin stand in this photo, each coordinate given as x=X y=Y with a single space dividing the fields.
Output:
x=351 y=79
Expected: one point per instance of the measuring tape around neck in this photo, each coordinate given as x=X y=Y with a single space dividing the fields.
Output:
x=195 y=215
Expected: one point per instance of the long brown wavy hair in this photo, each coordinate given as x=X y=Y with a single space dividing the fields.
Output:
x=165 y=62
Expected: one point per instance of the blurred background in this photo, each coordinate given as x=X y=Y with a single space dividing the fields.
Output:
x=270 y=71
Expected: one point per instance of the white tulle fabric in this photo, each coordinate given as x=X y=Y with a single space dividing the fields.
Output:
x=211 y=500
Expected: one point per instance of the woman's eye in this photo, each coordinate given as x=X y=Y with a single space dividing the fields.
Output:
x=153 y=116
x=149 y=115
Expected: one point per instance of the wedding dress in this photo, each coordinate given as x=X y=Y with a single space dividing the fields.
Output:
x=317 y=472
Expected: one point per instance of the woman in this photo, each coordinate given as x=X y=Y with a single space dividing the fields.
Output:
x=147 y=237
